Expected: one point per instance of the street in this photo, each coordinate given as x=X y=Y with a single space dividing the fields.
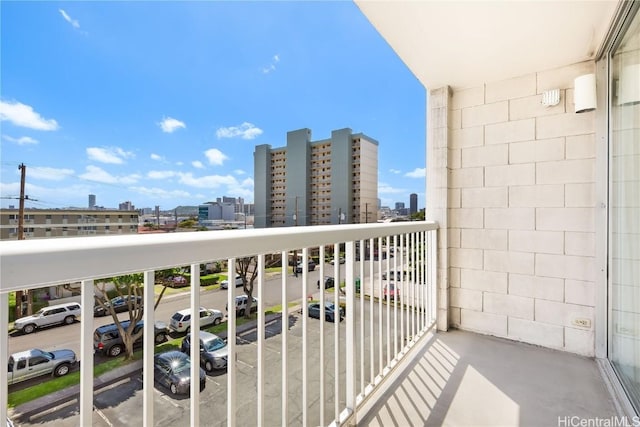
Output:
x=120 y=404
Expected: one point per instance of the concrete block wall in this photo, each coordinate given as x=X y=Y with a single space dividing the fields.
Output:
x=520 y=211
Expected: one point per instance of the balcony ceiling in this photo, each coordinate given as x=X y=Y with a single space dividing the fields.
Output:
x=463 y=44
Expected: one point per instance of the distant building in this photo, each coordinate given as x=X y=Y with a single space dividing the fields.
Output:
x=399 y=205
x=413 y=203
x=328 y=181
x=48 y=223
x=126 y=206
x=216 y=211
x=92 y=201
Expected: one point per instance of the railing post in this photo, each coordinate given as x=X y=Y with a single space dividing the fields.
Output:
x=261 y=348
x=350 y=326
x=285 y=332
x=194 y=351
x=86 y=354
x=148 y=348
x=4 y=354
x=231 y=344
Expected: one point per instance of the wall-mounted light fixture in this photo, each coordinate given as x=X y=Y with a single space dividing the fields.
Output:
x=584 y=93
x=629 y=85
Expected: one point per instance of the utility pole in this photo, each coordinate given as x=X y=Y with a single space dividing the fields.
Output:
x=366 y=212
x=20 y=295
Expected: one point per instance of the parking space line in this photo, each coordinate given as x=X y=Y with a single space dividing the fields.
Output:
x=213 y=381
x=162 y=395
x=245 y=363
x=102 y=415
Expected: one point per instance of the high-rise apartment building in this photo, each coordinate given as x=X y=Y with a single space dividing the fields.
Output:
x=92 y=201
x=329 y=181
x=413 y=203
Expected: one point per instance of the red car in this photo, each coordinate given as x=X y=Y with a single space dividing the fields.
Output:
x=390 y=291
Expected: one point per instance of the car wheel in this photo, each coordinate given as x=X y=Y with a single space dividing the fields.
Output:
x=173 y=388
x=61 y=370
x=69 y=320
x=115 y=350
x=160 y=338
x=208 y=366
x=217 y=321
x=241 y=312
x=29 y=328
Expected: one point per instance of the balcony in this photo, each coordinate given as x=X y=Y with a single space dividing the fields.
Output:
x=383 y=365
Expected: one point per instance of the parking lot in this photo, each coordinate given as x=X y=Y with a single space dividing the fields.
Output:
x=120 y=404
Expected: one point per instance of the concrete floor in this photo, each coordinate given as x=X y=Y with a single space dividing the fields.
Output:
x=464 y=379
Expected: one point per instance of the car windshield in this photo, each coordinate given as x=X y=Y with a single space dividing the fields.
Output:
x=177 y=316
x=214 y=344
x=179 y=364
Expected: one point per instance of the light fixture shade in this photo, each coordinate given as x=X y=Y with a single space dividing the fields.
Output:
x=629 y=85
x=584 y=93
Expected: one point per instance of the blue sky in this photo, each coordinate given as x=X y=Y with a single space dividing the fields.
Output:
x=162 y=103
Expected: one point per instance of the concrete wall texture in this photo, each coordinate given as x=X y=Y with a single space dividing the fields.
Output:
x=513 y=185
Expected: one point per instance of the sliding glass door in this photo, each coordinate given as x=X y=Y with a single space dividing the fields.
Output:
x=624 y=209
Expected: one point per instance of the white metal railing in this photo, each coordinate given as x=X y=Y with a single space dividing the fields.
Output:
x=385 y=330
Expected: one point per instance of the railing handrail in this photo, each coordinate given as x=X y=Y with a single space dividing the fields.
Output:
x=29 y=264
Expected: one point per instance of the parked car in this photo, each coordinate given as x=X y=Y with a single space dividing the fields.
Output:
x=119 y=304
x=47 y=316
x=225 y=283
x=213 y=350
x=311 y=265
x=172 y=369
x=9 y=423
x=241 y=305
x=35 y=362
x=341 y=260
x=329 y=282
x=107 y=339
x=394 y=275
x=390 y=292
x=181 y=321
x=329 y=311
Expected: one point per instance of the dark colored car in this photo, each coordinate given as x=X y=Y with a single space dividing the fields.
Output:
x=311 y=265
x=119 y=304
x=172 y=369
x=329 y=282
x=107 y=339
x=391 y=291
x=213 y=350
x=329 y=311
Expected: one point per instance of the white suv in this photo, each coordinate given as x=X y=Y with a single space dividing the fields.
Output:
x=181 y=320
x=225 y=283
x=241 y=305
x=52 y=315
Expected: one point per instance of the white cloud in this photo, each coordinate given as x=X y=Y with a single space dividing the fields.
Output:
x=215 y=156
x=169 y=124
x=74 y=22
x=245 y=131
x=197 y=164
x=94 y=173
x=384 y=188
x=23 y=140
x=51 y=174
x=239 y=172
x=112 y=155
x=157 y=157
x=242 y=189
x=179 y=163
x=209 y=181
x=396 y=171
x=161 y=174
x=272 y=66
x=417 y=173
x=161 y=193
x=23 y=115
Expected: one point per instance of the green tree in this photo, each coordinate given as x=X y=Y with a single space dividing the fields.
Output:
x=247 y=268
